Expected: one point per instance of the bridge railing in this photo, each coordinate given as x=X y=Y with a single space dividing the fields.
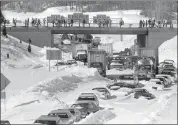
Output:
x=115 y=22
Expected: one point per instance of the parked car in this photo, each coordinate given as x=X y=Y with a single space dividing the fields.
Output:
x=138 y=92
x=48 y=120
x=86 y=107
x=5 y=122
x=169 y=61
x=88 y=97
x=168 y=77
x=76 y=113
x=115 y=64
x=71 y=62
x=170 y=72
x=64 y=114
x=102 y=92
x=125 y=84
x=157 y=84
x=164 y=80
x=60 y=63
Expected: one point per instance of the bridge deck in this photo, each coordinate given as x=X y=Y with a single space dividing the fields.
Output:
x=81 y=30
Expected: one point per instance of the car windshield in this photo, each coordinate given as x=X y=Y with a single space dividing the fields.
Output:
x=158 y=83
x=72 y=111
x=84 y=105
x=61 y=115
x=161 y=79
x=86 y=98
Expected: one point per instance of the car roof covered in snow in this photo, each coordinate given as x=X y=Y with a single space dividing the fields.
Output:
x=163 y=75
x=87 y=94
x=84 y=101
x=154 y=80
x=60 y=111
x=48 y=118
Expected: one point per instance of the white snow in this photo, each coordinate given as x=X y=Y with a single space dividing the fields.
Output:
x=35 y=91
x=99 y=117
x=168 y=50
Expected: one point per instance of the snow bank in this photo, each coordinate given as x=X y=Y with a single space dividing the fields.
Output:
x=15 y=49
x=168 y=50
x=99 y=117
x=162 y=102
x=117 y=72
x=50 y=87
x=83 y=71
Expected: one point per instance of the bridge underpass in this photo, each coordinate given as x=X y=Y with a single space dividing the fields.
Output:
x=148 y=38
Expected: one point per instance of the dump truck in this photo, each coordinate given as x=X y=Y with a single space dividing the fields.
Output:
x=80 y=51
x=97 y=59
x=108 y=48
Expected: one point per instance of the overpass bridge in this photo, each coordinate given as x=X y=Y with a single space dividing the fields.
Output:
x=148 y=38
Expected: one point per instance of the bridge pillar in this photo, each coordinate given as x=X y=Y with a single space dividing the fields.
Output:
x=142 y=40
x=52 y=39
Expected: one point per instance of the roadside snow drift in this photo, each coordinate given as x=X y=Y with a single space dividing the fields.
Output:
x=168 y=50
x=99 y=117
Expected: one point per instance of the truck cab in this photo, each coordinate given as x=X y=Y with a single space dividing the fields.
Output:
x=81 y=55
x=99 y=67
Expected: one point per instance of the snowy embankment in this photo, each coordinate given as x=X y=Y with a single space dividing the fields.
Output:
x=168 y=50
x=161 y=105
x=15 y=49
x=99 y=117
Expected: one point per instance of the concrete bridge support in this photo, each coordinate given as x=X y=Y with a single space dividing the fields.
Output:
x=155 y=37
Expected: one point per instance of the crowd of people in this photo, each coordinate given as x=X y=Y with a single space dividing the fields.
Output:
x=152 y=23
x=101 y=22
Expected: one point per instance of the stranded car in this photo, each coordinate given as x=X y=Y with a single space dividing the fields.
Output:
x=165 y=82
x=124 y=84
x=168 y=77
x=157 y=84
x=71 y=62
x=138 y=92
x=88 y=97
x=102 y=92
x=48 y=120
x=86 y=107
x=64 y=114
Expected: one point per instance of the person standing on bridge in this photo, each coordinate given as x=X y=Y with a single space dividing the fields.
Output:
x=121 y=22
x=64 y=21
x=143 y=23
x=72 y=21
x=149 y=22
x=28 y=22
x=53 y=21
x=140 y=24
x=146 y=24
x=83 y=22
x=44 y=21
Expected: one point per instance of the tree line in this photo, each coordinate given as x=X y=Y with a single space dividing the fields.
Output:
x=157 y=8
